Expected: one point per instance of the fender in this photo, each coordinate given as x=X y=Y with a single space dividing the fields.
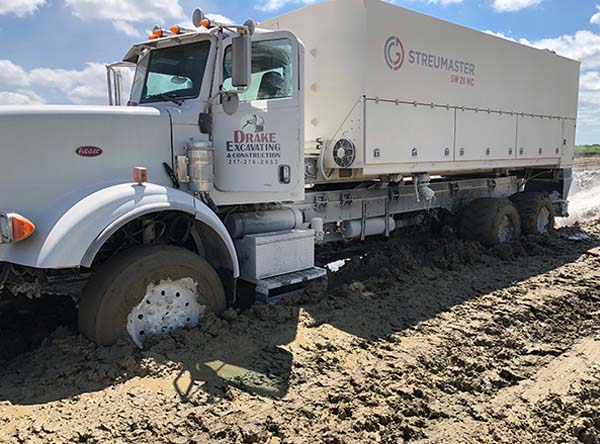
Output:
x=77 y=236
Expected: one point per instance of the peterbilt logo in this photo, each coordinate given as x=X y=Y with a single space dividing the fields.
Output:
x=394 y=53
x=88 y=151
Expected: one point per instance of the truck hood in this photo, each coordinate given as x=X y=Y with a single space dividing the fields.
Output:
x=28 y=110
x=53 y=156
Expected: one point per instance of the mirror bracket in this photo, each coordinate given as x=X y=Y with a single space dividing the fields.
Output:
x=230 y=102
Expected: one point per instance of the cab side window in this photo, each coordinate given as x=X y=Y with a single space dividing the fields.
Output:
x=272 y=71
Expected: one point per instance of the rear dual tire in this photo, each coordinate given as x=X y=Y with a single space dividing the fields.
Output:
x=536 y=211
x=490 y=221
x=493 y=221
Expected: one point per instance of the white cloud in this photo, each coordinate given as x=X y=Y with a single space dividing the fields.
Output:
x=507 y=37
x=126 y=10
x=20 y=97
x=219 y=18
x=445 y=2
x=513 y=5
x=85 y=86
x=127 y=28
x=590 y=81
x=124 y=13
x=275 y=5
x=272 y=5
x=588 y=117
x=583 y=45
x=589 y=104
x=595 y=19
x=20 y=8
x=11 y=74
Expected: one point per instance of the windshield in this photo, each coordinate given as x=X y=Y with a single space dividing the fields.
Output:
x=171 y=73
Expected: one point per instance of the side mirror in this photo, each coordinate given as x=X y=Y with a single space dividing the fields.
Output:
x=241 y=56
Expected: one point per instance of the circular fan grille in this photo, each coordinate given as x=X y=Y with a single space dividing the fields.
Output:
x=344 y=153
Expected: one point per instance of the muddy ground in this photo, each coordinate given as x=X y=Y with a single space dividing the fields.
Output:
x=432 y=340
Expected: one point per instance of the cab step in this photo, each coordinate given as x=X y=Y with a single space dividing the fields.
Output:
x=272 y=290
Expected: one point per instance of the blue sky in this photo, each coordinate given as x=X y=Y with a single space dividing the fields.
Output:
x=53 y=51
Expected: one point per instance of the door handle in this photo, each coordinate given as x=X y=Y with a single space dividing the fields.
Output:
x=285 y=174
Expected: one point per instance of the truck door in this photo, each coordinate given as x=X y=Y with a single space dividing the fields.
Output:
x=258 y=146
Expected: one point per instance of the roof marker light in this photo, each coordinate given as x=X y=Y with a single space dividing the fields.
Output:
x=176 y=29
x=157 y=33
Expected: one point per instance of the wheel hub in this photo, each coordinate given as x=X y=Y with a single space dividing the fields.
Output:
x=543 y=220
x=506 y=230
x=166 y=306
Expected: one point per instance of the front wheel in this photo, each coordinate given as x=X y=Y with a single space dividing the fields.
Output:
x=146 y=291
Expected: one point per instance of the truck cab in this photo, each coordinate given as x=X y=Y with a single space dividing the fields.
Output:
x=253 y=125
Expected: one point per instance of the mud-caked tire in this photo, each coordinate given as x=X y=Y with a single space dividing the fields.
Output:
x=490 y=221
x=536 y=211
x=119 y=286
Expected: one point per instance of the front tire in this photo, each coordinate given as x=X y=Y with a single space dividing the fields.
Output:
x=490 y=221
x=148 y=290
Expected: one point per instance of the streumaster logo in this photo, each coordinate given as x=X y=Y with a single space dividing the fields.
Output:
x=461 y=72
x=394 y=53
x=252 y=145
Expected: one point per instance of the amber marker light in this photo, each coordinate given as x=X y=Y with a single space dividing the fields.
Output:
x=157 y=33
x=22 y=227
x=140 y=175
x=15 y=228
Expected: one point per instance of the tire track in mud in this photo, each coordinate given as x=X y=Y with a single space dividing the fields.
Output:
x=570 y=378
x=424 y=349
x=528 y=349
x=463 y=357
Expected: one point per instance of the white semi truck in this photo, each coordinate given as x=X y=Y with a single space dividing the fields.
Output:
x=241 y=147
